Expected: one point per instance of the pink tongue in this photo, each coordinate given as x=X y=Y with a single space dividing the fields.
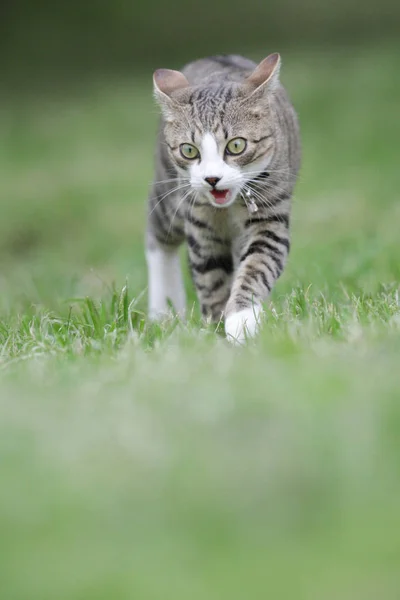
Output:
x=220 y=196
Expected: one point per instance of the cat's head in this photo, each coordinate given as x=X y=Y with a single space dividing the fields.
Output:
x=220 y=135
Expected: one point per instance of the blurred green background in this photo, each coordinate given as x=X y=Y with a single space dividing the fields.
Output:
x=73 y=37
x=155 y=462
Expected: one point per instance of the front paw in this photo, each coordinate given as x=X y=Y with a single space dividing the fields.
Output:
x=243 y=324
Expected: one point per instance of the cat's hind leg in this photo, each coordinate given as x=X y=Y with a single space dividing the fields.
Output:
x=165 y=280
x=165 y=234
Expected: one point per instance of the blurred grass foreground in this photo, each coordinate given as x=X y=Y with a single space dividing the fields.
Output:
x=155 y=462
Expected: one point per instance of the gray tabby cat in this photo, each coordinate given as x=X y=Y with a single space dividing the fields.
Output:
x=228 y=154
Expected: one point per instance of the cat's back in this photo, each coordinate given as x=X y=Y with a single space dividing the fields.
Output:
x=223 y=67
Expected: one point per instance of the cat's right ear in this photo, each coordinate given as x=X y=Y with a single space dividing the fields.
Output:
x=166 y=85
x=166 y=82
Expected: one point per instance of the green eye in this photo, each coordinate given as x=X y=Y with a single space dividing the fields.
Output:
x=236 y=146
x=189 y=151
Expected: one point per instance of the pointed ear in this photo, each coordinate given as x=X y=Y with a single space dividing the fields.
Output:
x=167 y=82
x=266 y=73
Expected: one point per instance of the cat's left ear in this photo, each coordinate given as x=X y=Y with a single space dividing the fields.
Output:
x=266 y=74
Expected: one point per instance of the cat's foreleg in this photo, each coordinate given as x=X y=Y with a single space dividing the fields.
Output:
x=261 y=260
x=211 y=264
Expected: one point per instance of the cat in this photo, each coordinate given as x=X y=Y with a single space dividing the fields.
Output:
x=227 y=158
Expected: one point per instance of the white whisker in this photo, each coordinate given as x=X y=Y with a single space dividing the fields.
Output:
x=174 y=190
x=177 y=209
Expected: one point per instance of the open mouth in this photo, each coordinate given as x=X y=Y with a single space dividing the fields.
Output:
x=220 y=196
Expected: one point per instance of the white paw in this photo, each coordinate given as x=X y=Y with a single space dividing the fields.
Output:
x=243 y=324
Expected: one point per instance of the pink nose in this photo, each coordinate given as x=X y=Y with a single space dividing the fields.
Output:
x=212 y=180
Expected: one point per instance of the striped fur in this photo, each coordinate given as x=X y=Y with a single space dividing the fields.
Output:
x=235 y=254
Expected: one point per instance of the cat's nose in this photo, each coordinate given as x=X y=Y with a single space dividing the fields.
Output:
x=212 y=180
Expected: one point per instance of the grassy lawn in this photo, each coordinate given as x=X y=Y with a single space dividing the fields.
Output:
x=156 y=462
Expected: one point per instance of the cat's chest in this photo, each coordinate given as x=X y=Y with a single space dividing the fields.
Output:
x=228 y=223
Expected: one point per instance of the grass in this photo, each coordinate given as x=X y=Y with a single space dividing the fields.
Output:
x=155 y=461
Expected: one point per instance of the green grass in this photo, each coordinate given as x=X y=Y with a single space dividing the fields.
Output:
x=144 y=461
